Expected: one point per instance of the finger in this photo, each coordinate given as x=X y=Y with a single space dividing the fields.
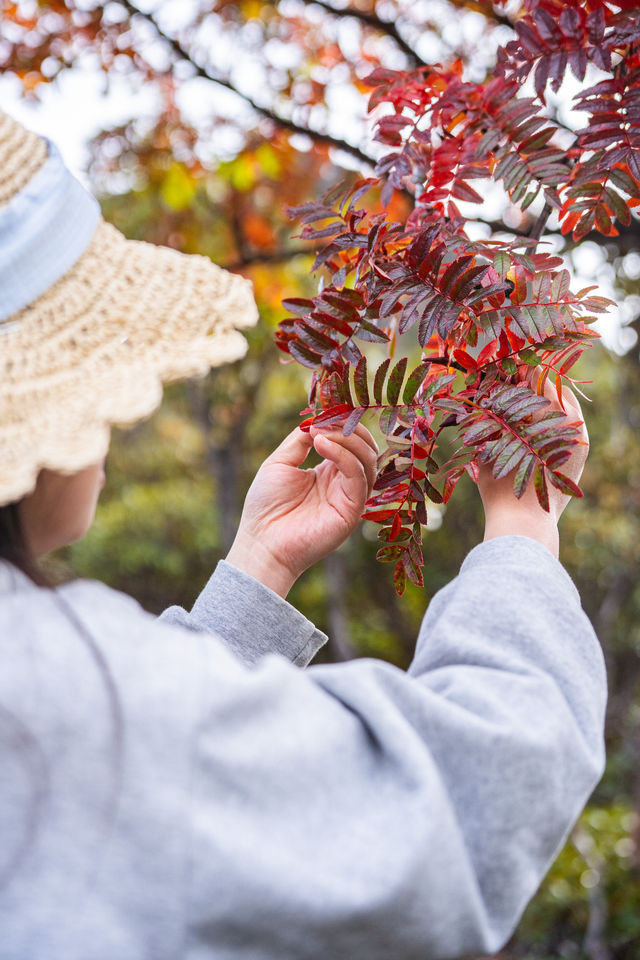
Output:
x=360 y=447
x=361 y=450
x=293 y=450
x=571 y=398
x=359 y=431
x=533 y=378
x=550 y=392
x=572 y=407
x=351 y=468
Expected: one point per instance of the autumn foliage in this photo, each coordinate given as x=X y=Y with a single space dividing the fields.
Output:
x=484 y=312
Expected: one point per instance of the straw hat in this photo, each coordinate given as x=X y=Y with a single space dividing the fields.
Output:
x=91 y=324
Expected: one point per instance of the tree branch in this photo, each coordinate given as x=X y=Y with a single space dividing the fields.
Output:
x=538 y=227
x=371 y=20
x=628 y=239
x=274 y=256
x=283 y=122
x=486 y=9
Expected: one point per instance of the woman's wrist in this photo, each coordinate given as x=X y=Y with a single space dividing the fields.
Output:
x=534 y=524
x=254 y=558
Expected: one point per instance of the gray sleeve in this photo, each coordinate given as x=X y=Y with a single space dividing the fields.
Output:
x=250 y=618
x=354 y=810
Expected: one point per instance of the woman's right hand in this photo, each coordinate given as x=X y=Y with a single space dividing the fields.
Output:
x=506 y=515
x=294 y=517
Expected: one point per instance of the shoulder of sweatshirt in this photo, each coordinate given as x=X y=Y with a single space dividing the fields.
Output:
x=233 y=609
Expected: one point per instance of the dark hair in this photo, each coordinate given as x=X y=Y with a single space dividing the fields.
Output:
x=14 y=547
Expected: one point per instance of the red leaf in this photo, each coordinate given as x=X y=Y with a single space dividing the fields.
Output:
x=378 y=382
x=418 y=452
x=399 y=578
x=298 y=306
x=303 y=355
x=449 y=486
x=565 y=484
x=487 y=352
x=333 y=413
x=378 y=516
x=462 y=191
x=396 y=527
x=395 y=381
x=360 y=382
x=412 y=569
x=473 y=470
x=352 y=421
x=465 y=359
x=540 y=485
x=389 y=554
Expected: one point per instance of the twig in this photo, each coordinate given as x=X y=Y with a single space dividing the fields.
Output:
x=538 y=228
x=386 y=27
x=284 y=122
x=273 y=256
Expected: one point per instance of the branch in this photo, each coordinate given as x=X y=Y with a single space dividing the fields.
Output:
x=386 y=27
x=628 y=239
x=275 y=256
x=486 y=9
x=538 y=228
x=284 y=122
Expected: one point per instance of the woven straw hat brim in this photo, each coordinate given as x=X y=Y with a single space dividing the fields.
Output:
x=95 y=349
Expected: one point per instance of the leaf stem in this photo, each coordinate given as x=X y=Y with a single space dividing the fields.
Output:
x=538 y=227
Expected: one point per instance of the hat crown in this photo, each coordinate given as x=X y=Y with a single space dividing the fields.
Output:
x=22 y=153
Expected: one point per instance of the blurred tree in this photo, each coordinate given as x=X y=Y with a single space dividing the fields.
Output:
x=276 y=67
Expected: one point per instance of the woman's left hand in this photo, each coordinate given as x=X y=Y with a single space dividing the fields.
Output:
x=292 y=517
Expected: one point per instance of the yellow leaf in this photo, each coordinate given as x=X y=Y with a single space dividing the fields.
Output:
x=268 y=160
x=178 y=187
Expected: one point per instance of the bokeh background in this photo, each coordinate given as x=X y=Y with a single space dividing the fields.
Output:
x=197 y=122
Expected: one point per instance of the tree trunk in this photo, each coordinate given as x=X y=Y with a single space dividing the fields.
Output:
x=340 y=646
x=223 y=454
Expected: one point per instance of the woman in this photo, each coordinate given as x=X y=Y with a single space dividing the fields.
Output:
x=170 y=787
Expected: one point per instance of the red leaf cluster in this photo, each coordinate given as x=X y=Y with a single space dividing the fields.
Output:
x=484 y=313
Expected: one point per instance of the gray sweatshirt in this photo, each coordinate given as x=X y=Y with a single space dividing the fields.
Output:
x=172 y=789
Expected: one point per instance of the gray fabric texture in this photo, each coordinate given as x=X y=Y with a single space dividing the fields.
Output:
x=171 y=789
x=257 y=622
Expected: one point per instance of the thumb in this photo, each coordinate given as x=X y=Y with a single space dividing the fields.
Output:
x=293 y=450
